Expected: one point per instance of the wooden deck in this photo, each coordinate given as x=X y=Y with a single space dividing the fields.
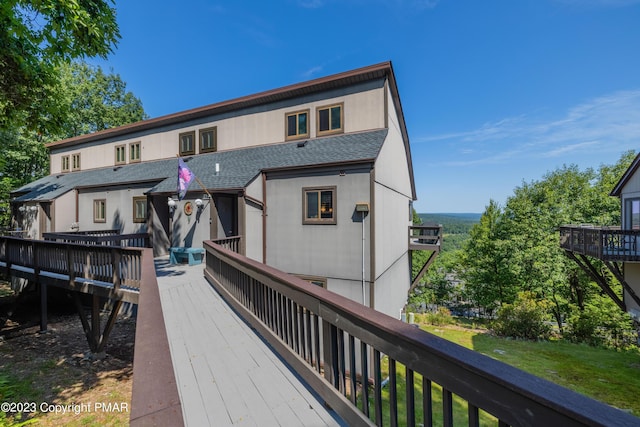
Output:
x=225 y=373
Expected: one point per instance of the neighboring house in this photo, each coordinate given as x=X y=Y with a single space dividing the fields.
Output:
x=293 y=171
x=617 y=247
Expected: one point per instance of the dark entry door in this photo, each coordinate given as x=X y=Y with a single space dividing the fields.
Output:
x=227 y=207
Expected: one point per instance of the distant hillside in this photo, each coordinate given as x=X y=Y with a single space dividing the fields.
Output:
x=452 y=223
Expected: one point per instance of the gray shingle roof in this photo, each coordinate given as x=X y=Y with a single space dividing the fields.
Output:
x=237 y=167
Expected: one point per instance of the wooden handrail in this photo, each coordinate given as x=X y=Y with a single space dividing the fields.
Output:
x=138 y=240
x=52 y=260
x=332 y=342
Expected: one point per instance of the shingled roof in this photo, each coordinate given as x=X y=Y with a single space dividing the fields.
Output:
x=237 y=167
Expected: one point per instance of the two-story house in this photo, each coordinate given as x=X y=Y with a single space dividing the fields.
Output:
x=314 y=179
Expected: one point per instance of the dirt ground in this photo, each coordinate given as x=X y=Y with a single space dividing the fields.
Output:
x=53 y=377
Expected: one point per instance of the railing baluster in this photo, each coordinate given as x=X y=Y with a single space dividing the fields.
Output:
x=411 y=403
x=393 y=393
x=427 y=402
x=377 y=387
x=474 y=416
x=352 y=367
x=447 y=408
x=364 y=361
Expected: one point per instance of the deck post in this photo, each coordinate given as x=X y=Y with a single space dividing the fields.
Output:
x=43 y=307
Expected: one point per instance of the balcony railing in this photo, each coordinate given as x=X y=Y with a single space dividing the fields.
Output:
x=339 y=347
x=605 y=243
x=426 y=237
x=102 y=237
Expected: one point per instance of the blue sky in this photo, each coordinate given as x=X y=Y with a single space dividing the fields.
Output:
x=495 y=92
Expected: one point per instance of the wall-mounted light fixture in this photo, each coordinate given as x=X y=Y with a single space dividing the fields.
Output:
x=172 y=206
x=22 y=208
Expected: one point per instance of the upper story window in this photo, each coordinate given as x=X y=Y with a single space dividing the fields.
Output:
x=319 y=205
x=75 y=162
x=297 y=124
x=66 y=166
x=208 y=140
x=121 y=154
x=187 y=143
x=134 y=152
x=139 y=209
x=330 y=119
x=632 y=214
x=100 y=210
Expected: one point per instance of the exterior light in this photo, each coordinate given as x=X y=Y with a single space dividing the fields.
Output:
x=198 y=203
x=33 y=208
x=171 y=203
x=22 y=208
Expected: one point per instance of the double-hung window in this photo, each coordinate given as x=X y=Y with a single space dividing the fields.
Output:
x=187 y=143
x=297 y=124
x=75 y=162
x=139 y=209
x=100 y=210
x=121 y=154
x=208 y=140
x=66 y=166
x=319 y=205
x=330 y=119
x=134 y=152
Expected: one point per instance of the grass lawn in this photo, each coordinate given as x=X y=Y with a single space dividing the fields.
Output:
x=612 y=377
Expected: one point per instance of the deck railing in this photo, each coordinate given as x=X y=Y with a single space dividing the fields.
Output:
x=72 y=265
x=340 y=347
x=425 y=237
x=232 y=243
x=103 y=237
x=605 y=243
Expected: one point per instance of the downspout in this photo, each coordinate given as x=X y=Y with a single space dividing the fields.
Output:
x=264 y=218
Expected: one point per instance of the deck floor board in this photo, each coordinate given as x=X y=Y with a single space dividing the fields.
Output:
x=226 y=374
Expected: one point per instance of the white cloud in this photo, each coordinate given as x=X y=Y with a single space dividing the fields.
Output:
x=609 y=123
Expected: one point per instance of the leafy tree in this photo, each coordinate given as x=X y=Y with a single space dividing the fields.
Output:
x=486 y=268
x=87 y=100
x=35 y=37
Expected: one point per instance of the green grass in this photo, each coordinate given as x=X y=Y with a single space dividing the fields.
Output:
x=612 y=377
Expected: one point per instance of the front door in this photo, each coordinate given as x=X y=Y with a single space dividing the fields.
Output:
x=227 y=207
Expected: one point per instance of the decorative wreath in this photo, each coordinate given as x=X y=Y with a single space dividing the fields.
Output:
x=188 y=208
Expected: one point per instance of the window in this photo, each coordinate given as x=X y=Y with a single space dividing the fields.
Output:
x=139 y=209
x=297 y=124
x=208 y=140
x=319 y=205
x=632 y=214
x=121 y=154
x=65 y=164
x=134 y=152
x=100 y=210
x=75 y=162
x=187 y=143
x=318 y=281
x=330 y=119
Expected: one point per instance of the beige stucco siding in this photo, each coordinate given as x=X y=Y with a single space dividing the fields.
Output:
x=65 y=212
x=632 y=277
x=362 y=111
x=253 y=218
x=328 y=251
x=119 y=209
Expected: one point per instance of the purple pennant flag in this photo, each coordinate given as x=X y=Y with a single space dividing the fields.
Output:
x=185 y=176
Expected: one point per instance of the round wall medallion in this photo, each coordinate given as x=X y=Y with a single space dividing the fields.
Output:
x=188 y=208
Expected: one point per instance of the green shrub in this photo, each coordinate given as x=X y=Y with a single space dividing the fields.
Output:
x=601 y=324
x=442 y=316
x=525 y=318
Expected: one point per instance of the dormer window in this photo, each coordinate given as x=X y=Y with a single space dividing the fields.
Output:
x=330 y=119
